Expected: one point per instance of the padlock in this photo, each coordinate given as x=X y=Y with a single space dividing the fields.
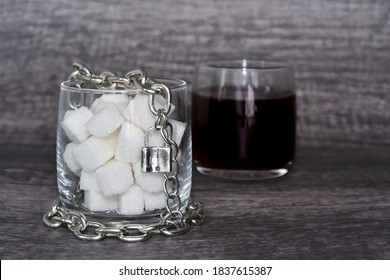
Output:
x=155 y=158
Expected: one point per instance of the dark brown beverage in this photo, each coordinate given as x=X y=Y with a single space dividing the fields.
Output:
x=238 y=132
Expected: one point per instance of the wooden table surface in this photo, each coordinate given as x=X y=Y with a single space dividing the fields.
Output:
x=335 y=204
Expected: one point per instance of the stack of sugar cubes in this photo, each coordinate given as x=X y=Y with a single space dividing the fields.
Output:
x=105 y=152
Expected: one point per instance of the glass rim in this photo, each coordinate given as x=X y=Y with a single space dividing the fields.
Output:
x=175 y=84
x=244 y=63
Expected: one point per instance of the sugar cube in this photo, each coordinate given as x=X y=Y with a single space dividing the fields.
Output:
x=119 y=100
x=178 y=128
x=154 y=201
x=138 y=111
x=155 y=138
x=93 y=153
x=73 y=124
x=105 y=122
x=178 y=131
x=151 y=182
x=130 y=143
x=113 y=138
x=132 y=201
x=89 y=182
x=114 y=177
x=70 y=159
x=96 y=201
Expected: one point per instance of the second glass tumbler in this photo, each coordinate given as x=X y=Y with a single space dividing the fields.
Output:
x=243 y=119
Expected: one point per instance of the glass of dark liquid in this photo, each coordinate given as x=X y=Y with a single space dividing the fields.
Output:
x=243 y=119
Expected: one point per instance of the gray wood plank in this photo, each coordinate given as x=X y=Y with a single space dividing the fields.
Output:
x=334 y=204
x=339 y=48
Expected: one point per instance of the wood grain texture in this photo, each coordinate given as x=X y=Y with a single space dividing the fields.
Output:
x=335 y=204
x=340 y=50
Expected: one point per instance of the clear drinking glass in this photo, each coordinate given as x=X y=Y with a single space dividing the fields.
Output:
x=243 y=119
x=100 y=135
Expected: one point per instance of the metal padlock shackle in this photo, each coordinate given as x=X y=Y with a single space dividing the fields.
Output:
x=157 y=129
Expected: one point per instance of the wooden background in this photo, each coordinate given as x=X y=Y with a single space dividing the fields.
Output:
x=341 y=53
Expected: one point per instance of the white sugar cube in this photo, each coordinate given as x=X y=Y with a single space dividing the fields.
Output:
x=130 y=143
x=105 y=122
x=132 y=201
x=96 y=201
x=154 y=201
x=178 y=131
x=119 y=100
x=155 y=138
x=138 y=111
x=113 y=138
x=89 y=182
x=151 y=182
x=73 y=124
x=93 y=153
x=70 y=159
x=114 y=177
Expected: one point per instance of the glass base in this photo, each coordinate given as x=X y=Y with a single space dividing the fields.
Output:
x=243 y=174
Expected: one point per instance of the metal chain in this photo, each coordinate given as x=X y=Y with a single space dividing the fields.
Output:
x=173 y=221
x=107 y=80
x=84 y=229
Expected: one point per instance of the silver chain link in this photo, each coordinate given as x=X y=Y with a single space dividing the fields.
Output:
x=91 y=230
x=173 y=221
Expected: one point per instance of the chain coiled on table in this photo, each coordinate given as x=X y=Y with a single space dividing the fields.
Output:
x=90 y=230
x=173 y=220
